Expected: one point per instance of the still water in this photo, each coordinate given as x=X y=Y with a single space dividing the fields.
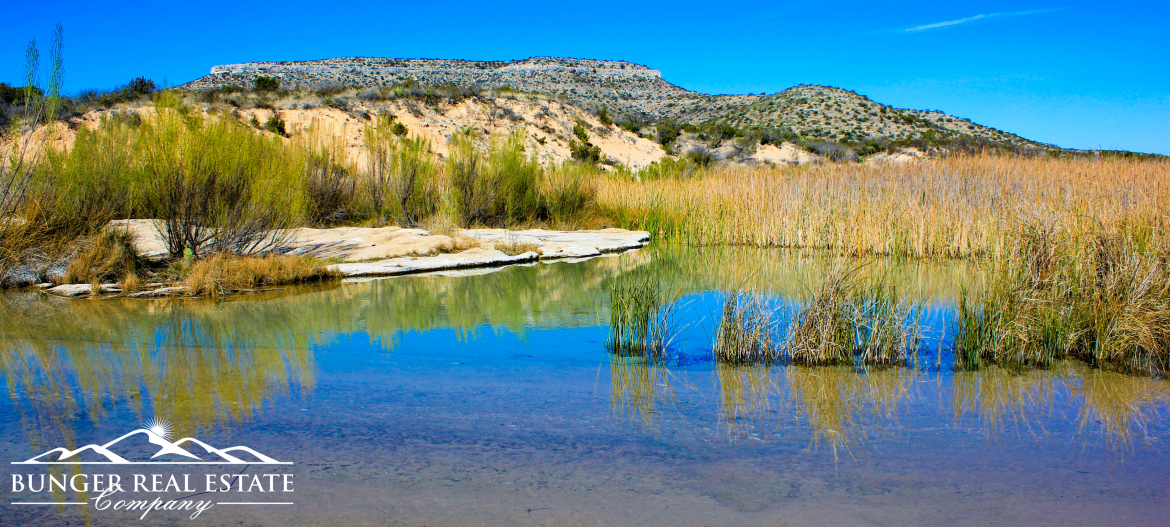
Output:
x=489 y=398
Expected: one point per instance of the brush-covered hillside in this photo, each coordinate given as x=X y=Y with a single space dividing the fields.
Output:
x=826 y=113
x=630 y=93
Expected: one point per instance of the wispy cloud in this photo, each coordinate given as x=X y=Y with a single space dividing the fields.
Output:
x=976 y=18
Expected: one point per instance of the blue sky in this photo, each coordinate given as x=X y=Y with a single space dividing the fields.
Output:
x=1076 y=74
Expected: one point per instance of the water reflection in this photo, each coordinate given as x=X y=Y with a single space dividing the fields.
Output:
x=843 y=407
x=213 y=365
x=202 y=367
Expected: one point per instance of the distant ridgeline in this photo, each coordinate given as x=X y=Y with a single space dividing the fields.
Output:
x=632 y=92
x=624 y=87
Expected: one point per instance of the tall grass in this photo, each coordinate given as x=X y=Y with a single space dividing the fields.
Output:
x=941 y=208
x=220 y=274
x=1104 y=299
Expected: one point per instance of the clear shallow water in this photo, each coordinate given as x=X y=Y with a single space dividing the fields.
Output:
x=490 y=399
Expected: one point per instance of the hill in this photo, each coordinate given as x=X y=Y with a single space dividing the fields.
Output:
x=637 y=95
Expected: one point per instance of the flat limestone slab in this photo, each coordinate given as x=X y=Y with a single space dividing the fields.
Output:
x=363 y=244
x=80 y=290
x=565 y=244
x=406 y=265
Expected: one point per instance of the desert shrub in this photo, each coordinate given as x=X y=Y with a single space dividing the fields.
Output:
x=206 y=211
x=495 y=188
x=141 y=86
x=569 y=193
x=265 y=84
x=700 y=156
x=213 y=184
x=399 y=129
x=603 y=116
x=585 y=152
x=667 y=167
x=581 y=133
x=631 y=125
x=275 y=125
x=16 y=95
x=402 y=177
x=370 y=94
x=330 y=190
x=668 y=131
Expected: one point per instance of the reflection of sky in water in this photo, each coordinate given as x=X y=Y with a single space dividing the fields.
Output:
x=492 y=399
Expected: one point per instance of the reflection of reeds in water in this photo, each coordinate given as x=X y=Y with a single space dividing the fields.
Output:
x=842 y=405
x=744 y=392
x=997 y=395
x=640 y=386
x=195 y=373
x=1123 y=406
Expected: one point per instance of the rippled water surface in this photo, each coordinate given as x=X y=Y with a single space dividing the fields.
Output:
x=490 y=399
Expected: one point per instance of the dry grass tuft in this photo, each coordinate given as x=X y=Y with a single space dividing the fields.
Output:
x=221 y=274
x=105 y=257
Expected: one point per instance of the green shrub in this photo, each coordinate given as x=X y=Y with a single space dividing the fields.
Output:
x=275 y=125
x=585 y=152
x=581 y=133
x=266 y=84
x=496 y=189
x=603 y=116
x=402 y=177
x=141 y=86
x=668 y=131
x=570 y=193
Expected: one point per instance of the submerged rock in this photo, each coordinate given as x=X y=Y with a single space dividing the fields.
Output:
x=160 y=292
x=465 y=259
x=80 y=290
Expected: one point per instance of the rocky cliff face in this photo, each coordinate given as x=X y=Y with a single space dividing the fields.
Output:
x=625 y=88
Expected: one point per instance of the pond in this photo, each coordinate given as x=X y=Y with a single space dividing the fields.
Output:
x=490 y=398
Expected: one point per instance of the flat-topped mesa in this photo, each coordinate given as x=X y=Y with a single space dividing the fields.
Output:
x=538 y=74
x=388 y=66
x=626 y=88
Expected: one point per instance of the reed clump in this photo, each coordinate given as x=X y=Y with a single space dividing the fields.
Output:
x=1104 y=299
x=641 y=315
x=848 y=320
x=748 y=331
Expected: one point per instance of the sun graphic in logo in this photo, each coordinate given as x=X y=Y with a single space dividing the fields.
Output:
x=158 y=427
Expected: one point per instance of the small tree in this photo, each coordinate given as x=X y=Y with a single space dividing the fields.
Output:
x=603 y=116
x=275 y=125
x=266 y=84
x=140 y=86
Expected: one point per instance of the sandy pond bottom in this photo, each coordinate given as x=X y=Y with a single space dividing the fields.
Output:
x=491 y=400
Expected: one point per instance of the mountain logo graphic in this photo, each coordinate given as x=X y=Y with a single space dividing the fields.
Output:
x=155 y=432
